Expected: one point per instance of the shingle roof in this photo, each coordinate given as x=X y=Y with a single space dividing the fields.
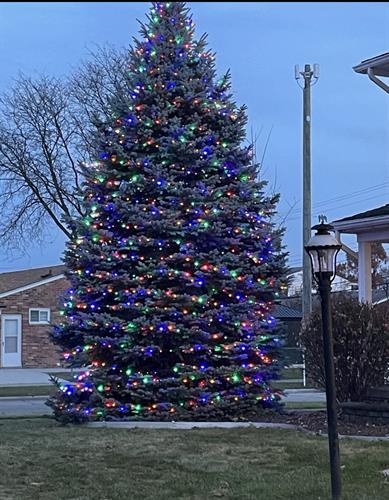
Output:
x=285 y=312
x=375 y=212
x=16 y=279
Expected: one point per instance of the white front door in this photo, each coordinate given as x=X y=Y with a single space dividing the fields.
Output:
x=11 y=340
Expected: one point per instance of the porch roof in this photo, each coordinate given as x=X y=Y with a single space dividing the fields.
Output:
x=376 y=219
x=380 y=65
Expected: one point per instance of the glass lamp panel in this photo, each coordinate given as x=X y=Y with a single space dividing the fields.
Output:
x=323 y=259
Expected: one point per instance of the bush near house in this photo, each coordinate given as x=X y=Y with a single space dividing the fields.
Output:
x=361 y=347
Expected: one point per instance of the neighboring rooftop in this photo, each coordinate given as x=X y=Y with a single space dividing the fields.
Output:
x=284 y=312
x=379 y=295
x=293 y=270
x=17 y=279
x=375 y=212
x=379 y=64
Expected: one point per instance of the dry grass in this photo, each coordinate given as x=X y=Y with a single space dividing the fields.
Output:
x=27 y=390
x=42 y=461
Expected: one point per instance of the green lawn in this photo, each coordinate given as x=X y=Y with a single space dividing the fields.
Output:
x=34 y=390
x=64 y=375
x=281 y=384
x=288 y=378
x=27 y=390
x=316 y=405
x=41 y=461
x=293 y=373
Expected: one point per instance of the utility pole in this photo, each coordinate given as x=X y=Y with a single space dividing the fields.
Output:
x=310 y=76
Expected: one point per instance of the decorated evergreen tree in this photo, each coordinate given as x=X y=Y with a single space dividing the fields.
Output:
x=175 y=270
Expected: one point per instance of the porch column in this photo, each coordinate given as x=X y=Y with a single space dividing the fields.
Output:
x=364 y=271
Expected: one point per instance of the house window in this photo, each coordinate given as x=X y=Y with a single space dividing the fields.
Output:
x=39 y=316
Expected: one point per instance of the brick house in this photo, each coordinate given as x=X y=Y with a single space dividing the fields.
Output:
x=29 y=305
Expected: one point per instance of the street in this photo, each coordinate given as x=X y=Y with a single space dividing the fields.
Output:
x=35 y=405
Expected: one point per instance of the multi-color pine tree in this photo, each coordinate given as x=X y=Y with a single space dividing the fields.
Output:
x=175 y=268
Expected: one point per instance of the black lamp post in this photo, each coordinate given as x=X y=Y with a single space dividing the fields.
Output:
x=323 y=249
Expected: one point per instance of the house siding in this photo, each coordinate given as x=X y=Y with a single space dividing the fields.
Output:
x=37 y=349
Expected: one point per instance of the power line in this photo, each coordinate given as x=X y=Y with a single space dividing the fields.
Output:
x=352 y=194
x=296 y=217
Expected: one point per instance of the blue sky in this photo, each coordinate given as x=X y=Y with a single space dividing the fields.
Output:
x=260 y=42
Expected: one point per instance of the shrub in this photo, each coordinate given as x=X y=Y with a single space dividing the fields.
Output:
x=361 y=347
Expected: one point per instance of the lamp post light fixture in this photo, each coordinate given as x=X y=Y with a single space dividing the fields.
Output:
x=323 y=249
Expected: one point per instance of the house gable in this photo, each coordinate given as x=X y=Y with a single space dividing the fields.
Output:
x=31 y=285
x=37 y=349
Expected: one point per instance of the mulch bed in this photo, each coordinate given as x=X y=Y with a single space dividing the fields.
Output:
x=316 y=421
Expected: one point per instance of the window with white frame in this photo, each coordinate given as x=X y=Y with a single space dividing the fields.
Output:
x=39 y=316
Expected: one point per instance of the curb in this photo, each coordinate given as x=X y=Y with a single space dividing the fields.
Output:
x=363 y=438
x=197 y=425
x=304 y=391
x=189 y=425
x=223 y=425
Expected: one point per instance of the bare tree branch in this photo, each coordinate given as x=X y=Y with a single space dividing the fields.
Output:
x=47 y=129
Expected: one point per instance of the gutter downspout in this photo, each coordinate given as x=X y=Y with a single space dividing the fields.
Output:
x=346 y=248
x=377 y=81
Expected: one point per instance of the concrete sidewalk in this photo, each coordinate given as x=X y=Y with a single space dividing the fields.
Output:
x=304 y=396
x=28 y=406
x=27 y=376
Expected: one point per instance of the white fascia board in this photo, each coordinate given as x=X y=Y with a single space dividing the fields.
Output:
x=31 y=285
x=367 y=224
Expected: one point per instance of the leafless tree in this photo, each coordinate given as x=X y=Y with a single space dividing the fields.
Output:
x=47 y=129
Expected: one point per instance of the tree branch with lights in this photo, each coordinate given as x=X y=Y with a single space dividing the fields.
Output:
x=176 y=265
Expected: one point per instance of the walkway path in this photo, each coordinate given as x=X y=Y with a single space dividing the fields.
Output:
x=27 y=376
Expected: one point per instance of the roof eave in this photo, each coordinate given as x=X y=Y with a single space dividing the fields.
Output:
x=379 y=64
x=31 y=285
x=361 y=224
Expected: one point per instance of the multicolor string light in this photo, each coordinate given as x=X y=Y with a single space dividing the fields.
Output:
x=176 y=267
